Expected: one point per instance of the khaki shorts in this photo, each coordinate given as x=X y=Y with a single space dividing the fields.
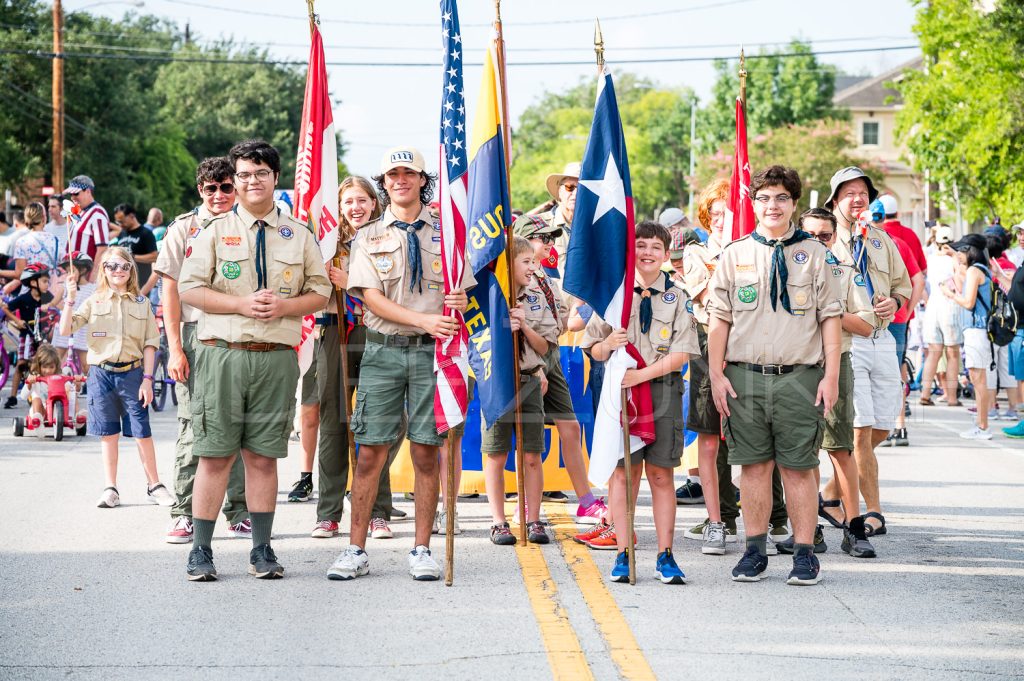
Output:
x=667 y=449
x=839 y=422
x=243 y=400
x=498 y=439
x=558 y=399
x=773 y=418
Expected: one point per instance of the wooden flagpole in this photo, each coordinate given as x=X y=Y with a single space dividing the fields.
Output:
x=506 y=137
x=624 y=394
x=743 y=80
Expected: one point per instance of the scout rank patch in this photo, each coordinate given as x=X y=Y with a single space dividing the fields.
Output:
x=383 y=263
x=435 y=266
x=800 y=298
x=230 y=270
x=800 y=257
x=746 y=294
x=287 y=275
x=665 y=333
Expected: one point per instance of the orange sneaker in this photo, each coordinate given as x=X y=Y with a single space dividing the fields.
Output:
x=592 y=533
x=606 y=541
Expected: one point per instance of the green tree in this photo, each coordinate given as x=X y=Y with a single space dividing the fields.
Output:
x=780 y=91
x=656 y=122
x=963 y=118
x=814 y=149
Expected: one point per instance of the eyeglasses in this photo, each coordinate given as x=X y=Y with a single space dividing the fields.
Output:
x=569 y=188
x=779 y=198
x=259 y=175
x=545 y=239
x=824 y=237
x=224 y=187
x=114 y=266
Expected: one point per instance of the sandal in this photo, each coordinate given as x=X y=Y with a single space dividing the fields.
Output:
x=831 y=503
x=871 y=530
x=926 y=402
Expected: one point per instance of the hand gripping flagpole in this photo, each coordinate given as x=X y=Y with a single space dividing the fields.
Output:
x=520 y=459
x=624 y=396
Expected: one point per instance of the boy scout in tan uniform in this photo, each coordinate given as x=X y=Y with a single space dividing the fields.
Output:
x=665 y=340
x=253 y=272
x=562 y=188
x=396 y=270
x=877 y=390
x=774 y=305
x=212 y=175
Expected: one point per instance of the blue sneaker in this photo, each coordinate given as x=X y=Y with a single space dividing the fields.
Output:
x=750 y=567
x=690 y=493
x=620 y=573
x=1016 y=432
x=667 y=570
x=806 y=569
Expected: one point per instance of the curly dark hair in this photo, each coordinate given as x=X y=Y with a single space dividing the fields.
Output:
x=214 y=169
x=777 y=176
x=256 y=151
x=426 y=191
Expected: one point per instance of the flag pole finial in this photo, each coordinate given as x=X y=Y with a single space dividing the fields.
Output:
x=598 y=44
x=497 y=11
x=313 y=18
x=743 y=77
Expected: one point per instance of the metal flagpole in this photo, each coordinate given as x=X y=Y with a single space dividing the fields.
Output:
x=624 y=394
x=520 y=463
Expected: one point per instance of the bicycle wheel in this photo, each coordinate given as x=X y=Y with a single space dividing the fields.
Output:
x=160 y=383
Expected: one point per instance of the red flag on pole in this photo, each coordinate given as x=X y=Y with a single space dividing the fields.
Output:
x=739 y=212
x=316 y=172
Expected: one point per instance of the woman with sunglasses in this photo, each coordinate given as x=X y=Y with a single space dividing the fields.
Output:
x=123 y=339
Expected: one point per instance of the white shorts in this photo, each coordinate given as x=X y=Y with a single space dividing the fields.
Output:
x=877 y=388
x=942 y=326
x=978 y=355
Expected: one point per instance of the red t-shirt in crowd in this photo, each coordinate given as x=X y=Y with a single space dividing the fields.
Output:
x=904 y=314
x=898 y=231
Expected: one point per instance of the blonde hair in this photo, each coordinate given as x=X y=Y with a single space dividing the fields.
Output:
x=102 y=285
x=348 y=231
x=716 y=191
x=35 y=215
x=521 y=245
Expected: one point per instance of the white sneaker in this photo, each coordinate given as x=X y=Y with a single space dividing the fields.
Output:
x=422 y=565
x=773 y=538
x=158 y=494
x=353 y=562
x=379 y=529
x=180 y=531
x=109 y=499
x=441 y=523
x=976 y=433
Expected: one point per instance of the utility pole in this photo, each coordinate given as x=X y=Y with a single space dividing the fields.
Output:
x=693 y=154
x=57 y=171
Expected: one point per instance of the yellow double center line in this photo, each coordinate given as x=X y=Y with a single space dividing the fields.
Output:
x=565 y=656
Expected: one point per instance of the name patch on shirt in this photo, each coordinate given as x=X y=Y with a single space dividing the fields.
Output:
x=739 y=268
x=800 y=257
x=231 y=240
x=99 y=334
x=534 y=308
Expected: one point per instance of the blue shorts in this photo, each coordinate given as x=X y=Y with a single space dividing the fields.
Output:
x=1017 y=356
x=114 y=404
x=899 y=332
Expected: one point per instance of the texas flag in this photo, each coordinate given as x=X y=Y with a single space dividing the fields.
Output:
x=599 y=269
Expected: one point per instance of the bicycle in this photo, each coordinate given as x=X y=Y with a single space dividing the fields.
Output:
x=162 y=381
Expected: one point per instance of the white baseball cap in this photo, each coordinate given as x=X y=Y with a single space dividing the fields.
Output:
x=889 y=204
x=402 y=157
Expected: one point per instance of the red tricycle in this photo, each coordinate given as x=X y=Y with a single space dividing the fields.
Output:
x=61 y=408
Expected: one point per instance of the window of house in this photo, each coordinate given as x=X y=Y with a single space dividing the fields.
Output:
x=869 y=133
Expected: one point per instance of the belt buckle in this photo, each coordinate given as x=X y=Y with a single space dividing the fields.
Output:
x=771 y=369
x=400 y=341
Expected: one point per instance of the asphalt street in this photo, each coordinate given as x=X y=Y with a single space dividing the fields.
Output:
x=89 y=593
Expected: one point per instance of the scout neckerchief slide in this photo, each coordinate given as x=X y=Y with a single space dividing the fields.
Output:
x=646 y=310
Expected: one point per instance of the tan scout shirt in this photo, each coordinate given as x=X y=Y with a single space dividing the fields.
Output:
x=180 y=235
x=380 y=258
x=739 y=294
x=223 y=258
x=121 y=326
x=889 y=275
x=673 y=329
x=856 y=301
x=699 y=262
x=554 y=217
x=549 y=322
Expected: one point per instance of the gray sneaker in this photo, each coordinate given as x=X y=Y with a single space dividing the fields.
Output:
x=263 y=563
x=697 y=532
x=200 y=565
x=714 y=539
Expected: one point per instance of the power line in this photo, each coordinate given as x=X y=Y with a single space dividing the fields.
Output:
x=272 y=62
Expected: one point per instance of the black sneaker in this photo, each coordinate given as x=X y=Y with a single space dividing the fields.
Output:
x=263 y=563
x=855 y=540
x=560 y=497
x=806 y=569
x=750 y=567
x=303 y=489
x=901 y=438
x=200 y=565
x=536 y=534
x=11 y=403
x=502 y=535
x=690 y=493
x=819 y=542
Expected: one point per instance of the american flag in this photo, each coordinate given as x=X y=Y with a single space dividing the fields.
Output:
x=450 y=361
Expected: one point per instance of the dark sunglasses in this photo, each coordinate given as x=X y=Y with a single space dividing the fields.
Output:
x=824 y=236
x=114 y=267
x=224 y=187
x=545 y=239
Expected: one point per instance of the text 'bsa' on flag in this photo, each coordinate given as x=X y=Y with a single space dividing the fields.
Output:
x=450 y=364
x=487 y=318
x=739 y=211
x=600 y=270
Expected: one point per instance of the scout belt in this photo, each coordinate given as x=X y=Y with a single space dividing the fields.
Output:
x=250 y=347
x=399 y=341
x=327 y=320
x=120 y=367
x=771 y=369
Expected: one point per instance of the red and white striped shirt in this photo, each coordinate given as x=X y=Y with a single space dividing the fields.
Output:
x=92 y=231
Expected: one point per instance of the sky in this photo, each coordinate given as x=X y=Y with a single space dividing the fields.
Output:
x=377 y=107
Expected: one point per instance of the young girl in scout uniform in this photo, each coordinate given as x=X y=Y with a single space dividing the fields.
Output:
x=534 y=319
x=123 y=339
x=663 y=331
